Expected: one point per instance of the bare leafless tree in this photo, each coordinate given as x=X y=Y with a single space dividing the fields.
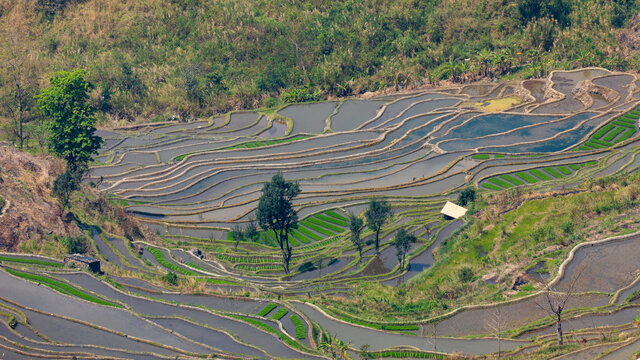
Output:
x=15 y=63
x=495 y=323
x=555 y=300
x=434 y=335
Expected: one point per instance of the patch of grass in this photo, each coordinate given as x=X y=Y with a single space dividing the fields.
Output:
x=31 y=261
x=301 y=330
x=267 y=309
x=61 y=287
x=159 y=256
x=280 y=314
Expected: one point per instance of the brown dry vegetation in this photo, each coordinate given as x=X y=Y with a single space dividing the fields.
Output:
x=30 y=213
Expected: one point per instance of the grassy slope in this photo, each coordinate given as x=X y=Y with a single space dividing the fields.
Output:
x=160 y=57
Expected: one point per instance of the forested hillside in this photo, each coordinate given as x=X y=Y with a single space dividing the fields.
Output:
x=151 y=59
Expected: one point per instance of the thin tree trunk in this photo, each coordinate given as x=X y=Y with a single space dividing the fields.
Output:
x=377 y=241
x=559 y=328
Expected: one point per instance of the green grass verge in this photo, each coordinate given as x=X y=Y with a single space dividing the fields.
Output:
x=30 y=261
x=61 y=287
x=159 y=256
x=280 y=314
x=267 y=309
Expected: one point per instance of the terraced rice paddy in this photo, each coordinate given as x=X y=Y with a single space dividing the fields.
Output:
x=190 y=183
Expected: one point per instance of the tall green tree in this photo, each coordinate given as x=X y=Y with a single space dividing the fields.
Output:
x=355 y=225
x=402 y=243
x=377 y=214
x=71 y=118
x=275 y=212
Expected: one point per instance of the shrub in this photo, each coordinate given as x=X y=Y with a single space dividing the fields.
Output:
x=171 y=278
x=304 y=94
x=465 y=274
x=466 y=196
x=308 y=266
x=74 y=245
x=2 y=202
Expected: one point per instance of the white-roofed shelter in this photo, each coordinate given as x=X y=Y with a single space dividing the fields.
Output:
x=452 y=210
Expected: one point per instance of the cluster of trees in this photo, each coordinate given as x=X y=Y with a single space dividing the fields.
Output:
x=216 y=56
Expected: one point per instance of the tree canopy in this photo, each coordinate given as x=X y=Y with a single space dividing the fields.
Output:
x=377 y=214
x=355 y=226
x=71 y=117
x=402 y=243
x=275 y=212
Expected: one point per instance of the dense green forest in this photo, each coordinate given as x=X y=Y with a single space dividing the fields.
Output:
x=152 y=59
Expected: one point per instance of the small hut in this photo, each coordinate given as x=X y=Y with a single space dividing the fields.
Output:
x=83 y=262
x=452 y=211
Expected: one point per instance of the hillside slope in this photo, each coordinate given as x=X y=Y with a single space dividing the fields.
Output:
x=156 y=58
x=29 y=213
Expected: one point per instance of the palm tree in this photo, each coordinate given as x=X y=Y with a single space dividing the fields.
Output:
x=336 y=348
x=484 y=59
x=452 y=68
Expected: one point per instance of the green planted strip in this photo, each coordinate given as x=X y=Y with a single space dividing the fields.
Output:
x=612 y=135
x=194 y=265
x=512 y=179
x=480 y=156
x=500 y=183
x=221 y=282
x=605 y=129
x=299 y=236
x=499 y=156
x=316 y=228
x=539 y=174
x=326 y=225
x=526 y=177
x=30 y=261
x=553 y=172
x=489 y=186
x=589 y=163
x=301 y=330
x=267 y=309
x=627 y=134
x=336 y=215
x=405 y=355
x=624 y=124
x=159 y=256
x=332 y=220
x=280 y=314
x=574 y=167
x=61 y=287
x=563 y=169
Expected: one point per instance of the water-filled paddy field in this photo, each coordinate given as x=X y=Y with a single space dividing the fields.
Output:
x=191 y=183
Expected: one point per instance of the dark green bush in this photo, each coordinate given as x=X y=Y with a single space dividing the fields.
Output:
x=170 y=278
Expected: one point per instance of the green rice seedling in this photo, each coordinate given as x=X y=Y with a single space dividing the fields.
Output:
x=315 y=228
x=589 y=163
x=480 y=156
x=159 y=256
x=563 y=169
x=526 y=177
x=326 y=225
x=280 y=314
x=612 y=135
x=301 y=332
x=490 y=186
x=499 y=156
x=605 y=129
x=627 y=134
x=539 y=174
x=332 y=220
x=336 y=215
x=574 y=167
x=267 y=309
x=309 y=234
x=500 y=183
x=625 y=124
x=553 y=172
x=512 y=179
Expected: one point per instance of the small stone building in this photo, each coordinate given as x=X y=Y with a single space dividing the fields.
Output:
x=83 y=262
